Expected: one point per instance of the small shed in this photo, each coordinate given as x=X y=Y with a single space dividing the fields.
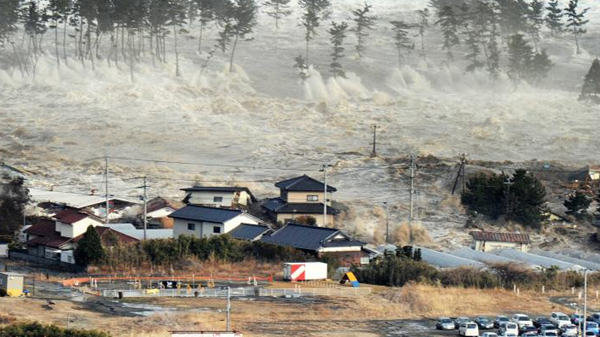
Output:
x=484 y=241
x=12 y=283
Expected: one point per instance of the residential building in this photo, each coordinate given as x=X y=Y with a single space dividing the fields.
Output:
x=320 y=241
x=151 y=233
x=12 y=283
x=301 y=197
x=55 y=239
x=221 y=197
x=202 y=221
x=594 y=172
x=488 y=241
x=250 y=232
x=158 y=211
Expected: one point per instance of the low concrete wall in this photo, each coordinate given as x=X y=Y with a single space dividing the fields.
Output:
x=52 y=264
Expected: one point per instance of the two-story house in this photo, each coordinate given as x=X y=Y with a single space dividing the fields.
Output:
x=222 y=197
x=201 y=221
x=301 y=197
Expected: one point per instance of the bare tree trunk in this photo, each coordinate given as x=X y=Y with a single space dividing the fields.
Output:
x=65 y=40
x=200 y=38
x=56 y=43
x=18 y=60
x=233 y=52
x=81 y=42
x=116 y=44
x=176 y=52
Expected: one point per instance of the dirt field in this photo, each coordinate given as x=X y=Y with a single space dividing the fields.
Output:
x=392 y=312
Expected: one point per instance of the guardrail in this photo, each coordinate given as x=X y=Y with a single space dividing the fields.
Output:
x=194 y=278
x=237 y=292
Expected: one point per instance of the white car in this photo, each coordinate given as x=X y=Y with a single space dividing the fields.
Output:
x=468 y=329
x=489 y=334
x=569 y=330
x=522 y=320
x=508 y=334
x=559 y=319
x=509 y=328
x=549 y=334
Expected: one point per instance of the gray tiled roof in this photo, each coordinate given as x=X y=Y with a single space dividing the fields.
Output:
x=309 y=237
x=218 y=189
x=304 y=184
x=208 y=214
x=248 y=232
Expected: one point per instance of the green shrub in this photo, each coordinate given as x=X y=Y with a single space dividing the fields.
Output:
x=37 y=329
x=3 y=292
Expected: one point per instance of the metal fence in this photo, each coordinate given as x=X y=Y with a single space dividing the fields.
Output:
x=237 y=292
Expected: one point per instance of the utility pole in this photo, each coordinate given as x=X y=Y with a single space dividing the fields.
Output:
x=228 y=327
x=324 y=170
x=106 y=189
x=374 y=128
x=508 y=183
x=413 y=168
x=585 y=277
x=387 y=222
x=145 y=208
x=461 y=172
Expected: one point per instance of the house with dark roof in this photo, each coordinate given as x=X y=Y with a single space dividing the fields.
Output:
x=219 y=196
x=250 y=232
x=202 y=221
x=484 y=241
x=320 y=241
x=301 y=197
x=46 y=239
x=158 y=210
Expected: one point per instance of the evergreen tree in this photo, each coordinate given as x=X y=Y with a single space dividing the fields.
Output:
x=89 y=249
x=278 y=9
x=311 y=19
x=176 y=16
x=206 y=15
x=513 y=16
x=14 y=197
x=157 y=21
x=591 y=84
x=473 y=40
x=535 y=16
x=493 y=64
x=554 y=17
x=242 y=21
x=34 y=22
x=520 y=54
x=577 y=204
x=402 y=42
x=576 y=20
x=337 y=34
x=300 y=65
x=449 y=26
x=538 y=67
x=59 y=10
x=363 y=23
x=423 y=24
x=527 y=199
x=9 y=17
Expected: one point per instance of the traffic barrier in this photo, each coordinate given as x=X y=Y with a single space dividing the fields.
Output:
x=210 y=279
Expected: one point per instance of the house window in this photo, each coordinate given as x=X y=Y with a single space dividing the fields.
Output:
x=191 y=227
x=312 y=198
x=217 y=199
x=217 y=230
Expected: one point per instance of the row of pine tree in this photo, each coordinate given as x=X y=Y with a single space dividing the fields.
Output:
x=493 y=35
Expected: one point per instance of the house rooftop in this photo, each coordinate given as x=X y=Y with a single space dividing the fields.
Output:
x=160 y=202
x=75 y=200
x=203 y=213
x=501 y=237
x=249 y=232
x=230 y=189
x=309 y=237
x=278 y=205
x=71 y=216
x=304 y=184
x=43 y=227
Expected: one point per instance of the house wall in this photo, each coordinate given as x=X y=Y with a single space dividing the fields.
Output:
x=285 y=218
x=202 y=229
x=301 y=197
x=206 y=198
x=75 y=229
x=67 y=256
x=486 y=246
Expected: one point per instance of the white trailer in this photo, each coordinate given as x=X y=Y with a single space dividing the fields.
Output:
x=304 y=271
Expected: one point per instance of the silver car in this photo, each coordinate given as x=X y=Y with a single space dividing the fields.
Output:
x=444 y=323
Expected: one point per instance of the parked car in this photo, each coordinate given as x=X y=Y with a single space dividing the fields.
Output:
x=549 y=334
x=567 y=330
x=595 y=318
x=460 y=320
x=590 y=334
x=522 y=320
x=508 y=334
x=489 y=334
x=468 y=329
x=484 y=323
x=508 y=328
x=576 y=318
x=538 y=322
x=548 y=328
x=559 y=319
x=593 y=327
x=530 y=334
x=499 y=320
x=444 y=323
x=528 y=329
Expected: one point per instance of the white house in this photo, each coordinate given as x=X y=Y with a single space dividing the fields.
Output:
x=202 y=221
x=488 y=241
x=222 y=197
